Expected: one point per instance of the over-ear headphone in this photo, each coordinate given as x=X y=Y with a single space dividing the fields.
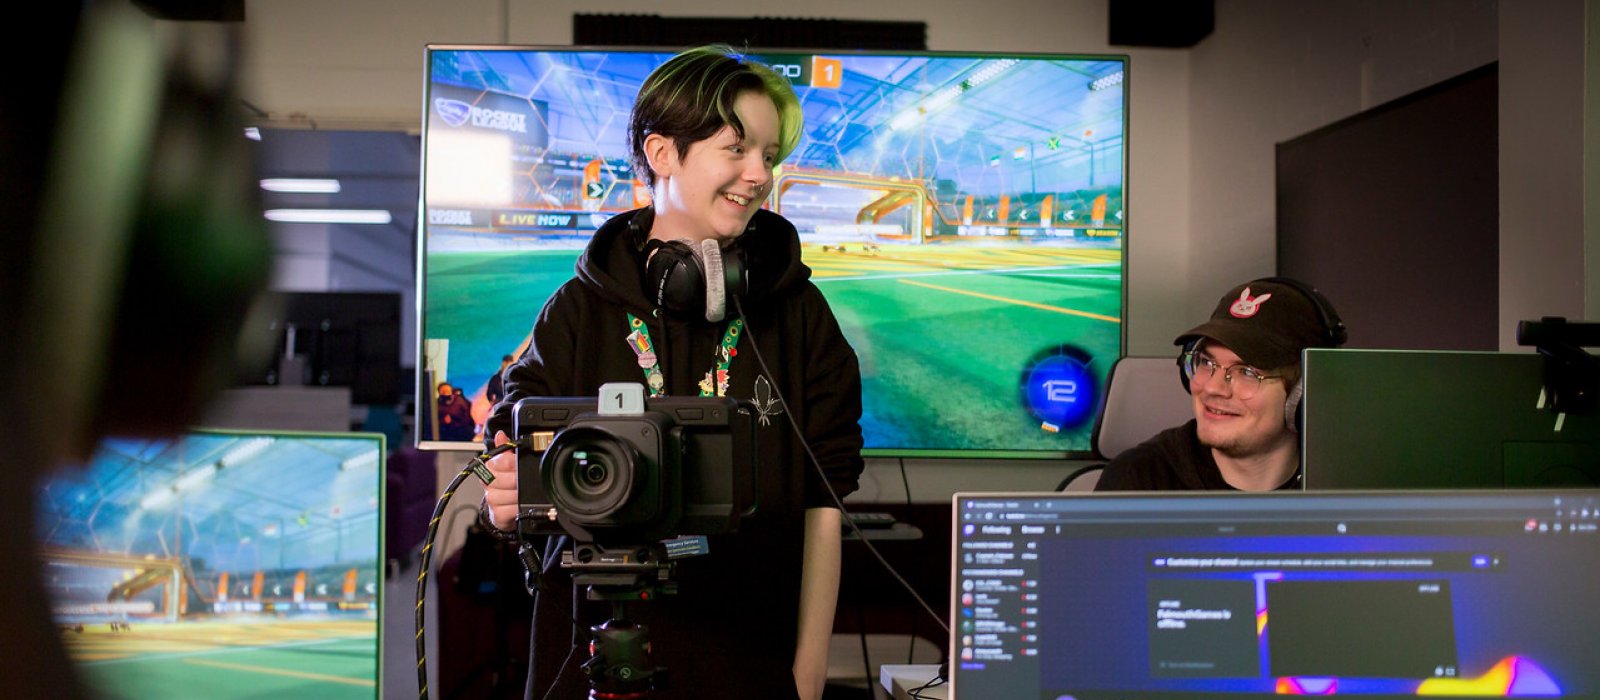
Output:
x=694 y=279
x=1334 y=335
x=151 y=243
x=121 y=173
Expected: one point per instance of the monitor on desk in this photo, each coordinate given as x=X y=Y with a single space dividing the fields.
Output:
x=1380 y=419
x=1199 y=595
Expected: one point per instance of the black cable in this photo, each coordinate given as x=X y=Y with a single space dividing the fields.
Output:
x=844 y=513
x=536 y=589
x=562 y=669
x=478 y=467
x=938 y=679
x=916 y=693
x=474 y=467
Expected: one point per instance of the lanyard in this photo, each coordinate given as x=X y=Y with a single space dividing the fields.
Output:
x=716 y=378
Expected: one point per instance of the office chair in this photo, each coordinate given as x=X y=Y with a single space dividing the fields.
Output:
x=1144 y=396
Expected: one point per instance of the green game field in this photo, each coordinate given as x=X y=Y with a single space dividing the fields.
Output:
x=944 y=332
x=329 y=660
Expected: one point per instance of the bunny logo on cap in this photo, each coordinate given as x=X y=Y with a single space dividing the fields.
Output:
x=1246 y=306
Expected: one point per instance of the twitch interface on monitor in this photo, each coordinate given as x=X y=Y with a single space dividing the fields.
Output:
x=1094 y=598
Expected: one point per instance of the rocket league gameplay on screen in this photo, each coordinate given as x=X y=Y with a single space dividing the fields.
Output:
x=962 y=213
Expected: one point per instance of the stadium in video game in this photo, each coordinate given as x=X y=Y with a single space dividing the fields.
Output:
x=229 y=565
x=963 y=214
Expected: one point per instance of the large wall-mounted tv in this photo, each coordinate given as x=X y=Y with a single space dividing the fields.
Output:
x=220 y=564
x=963 y=214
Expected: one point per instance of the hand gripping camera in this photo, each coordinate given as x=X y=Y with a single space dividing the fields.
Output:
x=621 y=470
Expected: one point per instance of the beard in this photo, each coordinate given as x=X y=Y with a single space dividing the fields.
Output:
x=1244 y=444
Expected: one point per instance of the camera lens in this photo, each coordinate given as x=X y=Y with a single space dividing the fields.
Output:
x=592 y=473
x=588 y=473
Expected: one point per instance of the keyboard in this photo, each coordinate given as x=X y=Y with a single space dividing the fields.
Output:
x=870 y=521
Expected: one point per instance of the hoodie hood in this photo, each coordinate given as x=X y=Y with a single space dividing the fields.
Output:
x=613 y=263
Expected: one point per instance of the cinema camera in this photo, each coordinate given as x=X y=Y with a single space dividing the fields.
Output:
x=619 y=475
x=621 y=471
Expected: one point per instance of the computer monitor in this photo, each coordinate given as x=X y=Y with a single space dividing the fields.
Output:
x=1377 y=419
x=220 y=565
x=1206 y=595
x=347 y=339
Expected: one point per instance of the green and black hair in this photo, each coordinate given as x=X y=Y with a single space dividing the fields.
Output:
x=691 y=96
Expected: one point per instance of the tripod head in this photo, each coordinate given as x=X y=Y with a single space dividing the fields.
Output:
x=619 y=665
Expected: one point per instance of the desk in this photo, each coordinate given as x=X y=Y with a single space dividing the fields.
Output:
x=900 y=679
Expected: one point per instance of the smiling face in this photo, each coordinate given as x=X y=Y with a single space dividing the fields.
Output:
x=1238 y=428
x=712 y=189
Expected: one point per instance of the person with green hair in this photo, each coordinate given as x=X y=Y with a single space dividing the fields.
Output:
x=679 y=296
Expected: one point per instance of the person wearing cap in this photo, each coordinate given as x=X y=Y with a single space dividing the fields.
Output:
x=1242 y=371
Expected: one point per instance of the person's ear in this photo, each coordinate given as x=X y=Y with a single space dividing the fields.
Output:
x=662 y=154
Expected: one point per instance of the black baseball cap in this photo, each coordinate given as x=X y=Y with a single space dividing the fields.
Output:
x=1267 y=322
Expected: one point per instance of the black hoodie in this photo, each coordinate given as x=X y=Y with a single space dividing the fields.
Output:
x=730 y=632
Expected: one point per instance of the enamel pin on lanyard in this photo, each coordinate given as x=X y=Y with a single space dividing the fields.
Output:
x=716 y=378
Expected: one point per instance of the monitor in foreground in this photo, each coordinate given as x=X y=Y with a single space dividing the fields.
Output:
x=220 y=565
x=1391 y=594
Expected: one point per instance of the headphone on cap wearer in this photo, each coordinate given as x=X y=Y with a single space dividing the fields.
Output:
x=1334 y=335
x=692 y=279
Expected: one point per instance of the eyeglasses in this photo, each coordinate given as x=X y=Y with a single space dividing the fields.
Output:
x=1200 y=366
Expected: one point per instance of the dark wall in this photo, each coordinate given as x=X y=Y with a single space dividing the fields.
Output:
x=1394 y=214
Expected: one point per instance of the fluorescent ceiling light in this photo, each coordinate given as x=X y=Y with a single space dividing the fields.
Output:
x=252 y=133
x=158 y=498
x=244 y=451
x=941 y=99
x=301 y=184
x=1107 y=81
x=194 y=478
x=329 y=216
x=360 y=461
x=905 y=120
x=988 y=71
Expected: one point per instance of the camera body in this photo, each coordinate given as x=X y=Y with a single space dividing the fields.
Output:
x=669 y=466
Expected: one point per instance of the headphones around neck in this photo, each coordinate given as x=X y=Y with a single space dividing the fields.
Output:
x=1334 y=335
x=692 y=279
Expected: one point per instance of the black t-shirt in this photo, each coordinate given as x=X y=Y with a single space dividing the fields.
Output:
x=1173 y=460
